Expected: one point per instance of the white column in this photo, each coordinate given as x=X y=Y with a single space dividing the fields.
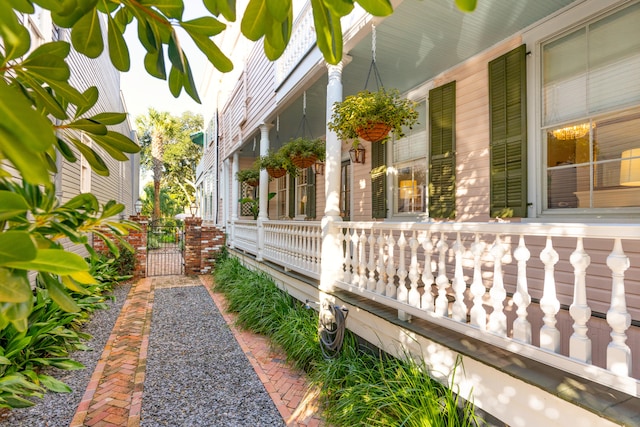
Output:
x=263 y=190
x=331 y=247
x=580 y=343
x=224 y=181
x=234 y=196
x=618 y=352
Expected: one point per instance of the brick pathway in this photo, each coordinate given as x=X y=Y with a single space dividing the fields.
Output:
x=115 y=392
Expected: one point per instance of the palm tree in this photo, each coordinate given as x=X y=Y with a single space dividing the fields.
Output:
x=160 y=127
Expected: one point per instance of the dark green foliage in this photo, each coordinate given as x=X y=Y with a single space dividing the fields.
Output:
x=357 y=387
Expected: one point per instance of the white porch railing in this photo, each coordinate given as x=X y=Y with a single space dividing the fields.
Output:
x=468 y=269
x=246 y=236
x=295 y=245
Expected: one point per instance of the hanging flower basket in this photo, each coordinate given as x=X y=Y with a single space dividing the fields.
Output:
x=276 y=172
x=374 y=132
x=303 y=162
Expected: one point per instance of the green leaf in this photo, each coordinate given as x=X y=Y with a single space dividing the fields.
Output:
x=466 y=5
x=32 y=166
x=254 y=21
x=189 y=84
x=33 y=132
x=84 y=201
x=56 y=261
x=61 y=297
x=66 y=364
x=48 y=65
x=97 y=164
x=115 y=154
x=66 y=91
x=89 y=126
x=59 y=48
x=52 y=5
x=118 y=50
x=44 y=96
x=340 y=7
x=377 y=7
x=23 y=6
x=15 y=37
x=53 y=384
x=171 y=8
x=212 y=52
x=279 y=9
x=71 y=284
x=66 y=151
x=225 y=7
x=207 y=26
x=14 y=286
x=175 y=82
x=118 y=141
x=277 y=37
x=86 y=35
x=11 y=204
x=147 y=37
x=83 y=277
x=4 y=361
x=154 y=64
x=15 y=311
x=328 y=32
x=176 y=55
x=107 y=6
x=109 y=118
x=90 y=96
x=72 y=11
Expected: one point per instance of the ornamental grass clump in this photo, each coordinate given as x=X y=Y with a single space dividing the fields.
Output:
x=358 y=387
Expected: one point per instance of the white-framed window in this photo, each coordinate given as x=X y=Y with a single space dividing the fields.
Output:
x=85 y=168
x=282 y=197
x=590 y=109
x=410 y=164
x=301 y=195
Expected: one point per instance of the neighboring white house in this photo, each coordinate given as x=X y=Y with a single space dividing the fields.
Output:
x=122 y=184
x=526 y=107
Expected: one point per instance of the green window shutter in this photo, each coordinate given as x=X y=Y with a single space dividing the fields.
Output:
x=378 y=180
x=292 y=196
x=311 y=193
x=442 y=159
x=508 y=136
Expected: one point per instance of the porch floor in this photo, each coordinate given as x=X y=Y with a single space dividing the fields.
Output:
x=116 y=392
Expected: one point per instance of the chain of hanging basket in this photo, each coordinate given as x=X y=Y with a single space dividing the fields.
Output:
x=304 y=162
x=374 y=132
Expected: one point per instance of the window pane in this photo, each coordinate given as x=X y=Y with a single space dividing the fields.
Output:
x=414 y=144
x=565 y=78
x=410 y=188
x=614 y=60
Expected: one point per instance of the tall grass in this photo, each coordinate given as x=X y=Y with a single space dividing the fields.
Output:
x=357 y=388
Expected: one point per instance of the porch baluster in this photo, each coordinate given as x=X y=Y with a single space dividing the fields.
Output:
x=497 y=318
x=427 y=273
x=391 y=270
x=618 y=352
x=459 y=309
x=362 y=269
x=521 y=326
x=549 y=304
x=442 y=303
x=579 y=343
x=355 y=263
x=371 y=283
x=380 y=269
x=344 y=238
x=414 y=295
x=478 y=313
x=403 y=295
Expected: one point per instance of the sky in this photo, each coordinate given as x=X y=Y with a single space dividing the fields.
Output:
x=142 y=91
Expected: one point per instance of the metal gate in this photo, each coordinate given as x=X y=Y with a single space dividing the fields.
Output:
x=165 y=248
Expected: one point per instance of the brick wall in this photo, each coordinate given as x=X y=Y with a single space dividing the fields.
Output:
x=136 y=238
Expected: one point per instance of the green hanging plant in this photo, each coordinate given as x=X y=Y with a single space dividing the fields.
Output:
x=358 y=115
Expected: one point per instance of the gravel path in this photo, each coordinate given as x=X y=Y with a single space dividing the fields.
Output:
x=57 y=409
x=196 y=374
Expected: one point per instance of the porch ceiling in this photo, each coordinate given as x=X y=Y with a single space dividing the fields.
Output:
x=420 y=40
